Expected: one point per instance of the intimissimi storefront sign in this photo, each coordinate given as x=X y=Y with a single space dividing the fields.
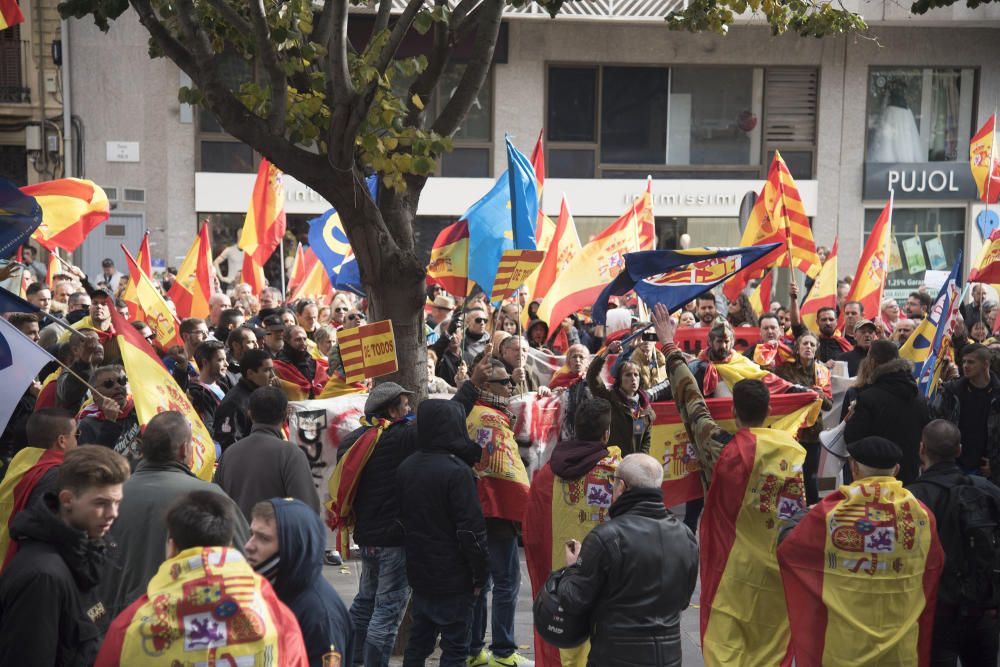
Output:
x=919 y=180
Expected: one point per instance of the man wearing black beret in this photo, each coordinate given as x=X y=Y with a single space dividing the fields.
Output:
x=865 y=561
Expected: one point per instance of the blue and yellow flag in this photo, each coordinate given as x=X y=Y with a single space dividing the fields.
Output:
x=924 y=346
x=675 y=277
x=490 y=233
x=328 y=240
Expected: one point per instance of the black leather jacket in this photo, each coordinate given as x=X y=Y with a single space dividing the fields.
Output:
x=635 y=575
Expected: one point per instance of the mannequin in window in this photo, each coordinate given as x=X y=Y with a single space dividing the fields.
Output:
x=895 y=137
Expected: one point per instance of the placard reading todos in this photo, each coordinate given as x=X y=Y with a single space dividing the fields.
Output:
x=368 y=351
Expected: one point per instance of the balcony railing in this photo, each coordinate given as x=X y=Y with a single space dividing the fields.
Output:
x=14 y=72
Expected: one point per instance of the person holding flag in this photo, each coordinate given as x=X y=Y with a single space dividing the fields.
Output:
x=743 y=617
x=860 y=569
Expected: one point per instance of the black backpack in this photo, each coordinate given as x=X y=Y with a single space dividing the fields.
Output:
x=971 y=543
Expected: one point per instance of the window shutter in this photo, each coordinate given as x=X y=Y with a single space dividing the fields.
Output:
x=791 y=97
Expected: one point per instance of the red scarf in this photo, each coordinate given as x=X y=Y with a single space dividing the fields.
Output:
x=563 y=378
x=94 y=410
x=50 y=459
x=845 y=345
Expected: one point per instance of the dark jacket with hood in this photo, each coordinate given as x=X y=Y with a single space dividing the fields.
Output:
x=298 y=580
x=49 y=609
x=572 y=459
x=533 y=324
x=445 y=533
x=635 y=575
x=232 y=417
x=947 y=404
x=891 y=407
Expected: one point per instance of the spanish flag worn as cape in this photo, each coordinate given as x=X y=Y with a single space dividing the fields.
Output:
x=860 y=573
x=737 y=368
x=560 y=510
x=205 y=606
x=503 y=482
x=757 y=484
x=24 y=471
x=295 y=385
x=343 y=485
x=47 y=394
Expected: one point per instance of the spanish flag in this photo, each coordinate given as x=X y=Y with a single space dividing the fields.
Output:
x=193 y=286
x=449 y=263
x=221 y=612
x=503 y=482
x=144 y=262
x=756 y=486
x=860 y=574
x=760 y=298
x=71 y=209
x=596 y=265
x=643 y=212
x=264 y=225
x=313 y=282
x=560 y=510
x=985 y=163
x=253 y=274
x=151 y=308
x=823 y=293
x=987 y=269
x=10 y=14
x=870 y=276
x=52 y=269
x=160 y=392
x=295 y=385
x=23 y=472
x=538 y=164
x=561 y=249
x=298 y=270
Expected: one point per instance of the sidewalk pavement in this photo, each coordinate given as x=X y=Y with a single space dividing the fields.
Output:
x=345 y=580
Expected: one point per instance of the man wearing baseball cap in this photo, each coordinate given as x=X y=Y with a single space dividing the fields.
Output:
x=863 y=563
x=865 y=333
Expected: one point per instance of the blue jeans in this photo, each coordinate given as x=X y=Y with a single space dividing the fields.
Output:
x=450 y=615
x=378 y=607
x=505 y=582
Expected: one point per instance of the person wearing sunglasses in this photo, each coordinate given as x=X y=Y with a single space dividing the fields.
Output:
x=111 y=419
x=476 y=335
x=338 y=310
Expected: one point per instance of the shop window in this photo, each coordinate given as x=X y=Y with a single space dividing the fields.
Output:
x=922 y=239
x=919 y=114
x=680 y=122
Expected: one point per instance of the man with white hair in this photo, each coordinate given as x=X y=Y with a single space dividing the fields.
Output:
x=217 y=303
x=635 y=619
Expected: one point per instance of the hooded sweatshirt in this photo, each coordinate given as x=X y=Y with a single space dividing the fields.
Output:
x=298 y=581
x=572 y=459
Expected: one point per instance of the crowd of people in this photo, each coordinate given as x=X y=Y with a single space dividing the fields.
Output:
x=115 y=552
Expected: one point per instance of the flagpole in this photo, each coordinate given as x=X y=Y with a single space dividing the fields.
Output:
x=81 y=380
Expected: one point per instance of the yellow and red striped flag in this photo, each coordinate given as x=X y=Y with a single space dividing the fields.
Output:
x=314 y=281
x=449 y=263
x=10 y=14
x=253 y=274
x=985 y=163
x=368 y=351
x=151 y=308
x=193 y=286
x=159 y=392
x=760 y=298
x=144 y=262
x=561 y=249
x=514 y=268
x=870 y=540
x=786 y=212
x=71 y=209
x=823 y=293
x=755 y=233
x=873 y=266
x=264 y=225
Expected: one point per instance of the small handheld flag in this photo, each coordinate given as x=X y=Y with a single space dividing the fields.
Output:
x=515 y=267
x=368 y=351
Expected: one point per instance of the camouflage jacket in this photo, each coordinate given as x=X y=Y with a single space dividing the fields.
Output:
x=704 y=433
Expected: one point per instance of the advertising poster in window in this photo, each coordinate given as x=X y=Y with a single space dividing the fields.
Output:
x=923 y=238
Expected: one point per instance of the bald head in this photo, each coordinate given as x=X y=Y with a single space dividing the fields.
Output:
x=941 y=442
x=641 y=471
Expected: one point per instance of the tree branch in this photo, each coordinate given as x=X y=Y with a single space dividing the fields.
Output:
x=338 y=73
x=232 y=16
x=325 y=23
x=163 y=37
x=399 y=31
x=461 y=10
x=427 y=80
x=475 y=72
x=269 y=60
x=382 y=16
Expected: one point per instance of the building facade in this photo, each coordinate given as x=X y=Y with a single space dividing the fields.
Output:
x=620 y=97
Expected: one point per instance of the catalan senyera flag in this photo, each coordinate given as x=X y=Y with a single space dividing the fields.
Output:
x=671 y=445
x=873 y=267
x=503 y=481
x=151 y=308
x=757 y=485
x=144 y=262
x=343 y=485
x=264 y=225
x=823 y=293
x=562 y=247
x=987 y=269
x=314 y=282
x=193 y=287
x=597 y=264
x=514 y=268
x=449 y=263
x=560 y=510
x=71 y=209
x=160 y=392
x=870 y=540
x=10 y=14
x=760 y=298
x=368 y=351
x=23 y=472
x=985 y=163
x=785 y=211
